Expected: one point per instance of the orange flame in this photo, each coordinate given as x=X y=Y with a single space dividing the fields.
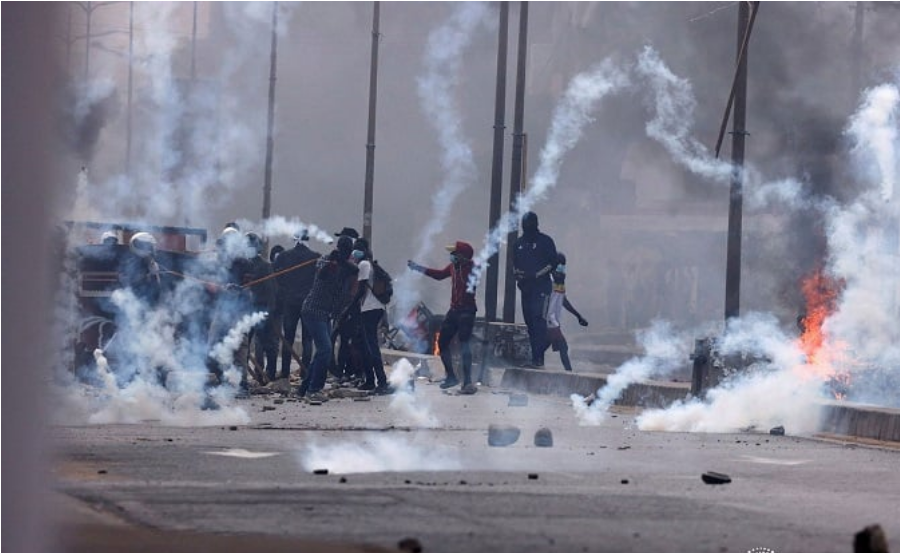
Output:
x=435 y=347
x=821 y=293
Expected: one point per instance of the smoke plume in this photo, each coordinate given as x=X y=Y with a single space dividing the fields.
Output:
x=438 y=96
x=574 y=112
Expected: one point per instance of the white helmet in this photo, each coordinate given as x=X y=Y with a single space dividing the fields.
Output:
x=109 y=237
x=143 y=244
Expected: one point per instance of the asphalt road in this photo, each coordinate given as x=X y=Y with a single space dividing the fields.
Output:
x=428 y=473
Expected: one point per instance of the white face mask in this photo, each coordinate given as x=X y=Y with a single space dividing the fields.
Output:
x=358 y=255
x=561 y=269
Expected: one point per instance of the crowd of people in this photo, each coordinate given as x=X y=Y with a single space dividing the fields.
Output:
x=328 y=299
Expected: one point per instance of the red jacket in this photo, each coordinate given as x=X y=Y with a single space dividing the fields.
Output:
x=460 y=299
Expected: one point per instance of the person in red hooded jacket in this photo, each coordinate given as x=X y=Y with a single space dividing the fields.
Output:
x=460 y=318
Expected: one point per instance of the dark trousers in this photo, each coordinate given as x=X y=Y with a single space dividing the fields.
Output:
x=534 y=311
x=265 y=345
x=373 y=365
x=457 y=324
x=291 y=320
x=320 y=330
x=350 y=352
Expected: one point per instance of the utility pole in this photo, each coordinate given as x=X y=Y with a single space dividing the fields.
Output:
x=87 y=42
x=270 y=141
x=194 y=46
x=738 y=134
x=130 y=88
x=493 y=271
x=515 y=181
x=370 y=135
x=857 y=62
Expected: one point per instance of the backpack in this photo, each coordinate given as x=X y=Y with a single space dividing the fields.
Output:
x=382 y=285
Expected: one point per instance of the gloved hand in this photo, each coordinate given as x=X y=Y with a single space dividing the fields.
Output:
x=415 y=266
x=582 y=321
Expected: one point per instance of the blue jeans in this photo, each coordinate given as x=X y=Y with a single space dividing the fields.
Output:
x=320 y=329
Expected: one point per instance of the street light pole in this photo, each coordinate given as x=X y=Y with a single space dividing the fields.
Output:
x=515 y=181
x=370 y=135
x=130 y=88
x=493 y=271
x=270 y=141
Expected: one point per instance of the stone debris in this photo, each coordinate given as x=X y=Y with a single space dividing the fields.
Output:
x=777 y=431
x=268 y=408
x=500 y=435
x=870 y=539
x=715 y=478
x=320 y=471
x=543 y=438
x=411 y=545
x=532 y=476
x=518 y=400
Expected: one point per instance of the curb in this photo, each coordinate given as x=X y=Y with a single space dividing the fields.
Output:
x=847 y=419
x=644 y=394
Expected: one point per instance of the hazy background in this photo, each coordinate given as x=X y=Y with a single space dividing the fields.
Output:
x=645 y=238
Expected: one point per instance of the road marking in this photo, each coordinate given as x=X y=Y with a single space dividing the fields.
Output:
x=243 y=453
x=770 y=461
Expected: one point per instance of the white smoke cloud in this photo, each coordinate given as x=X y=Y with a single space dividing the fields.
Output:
x=378 y=453
x=573 y=113
x=279 y=226
x=664 y=351
x=409 y=407
x=874 y=130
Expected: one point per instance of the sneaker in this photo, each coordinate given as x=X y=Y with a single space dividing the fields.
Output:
x=449 y=383
x=385 y=390
x=532 y=365
x=317 y=397
x=468 y=390
x=366 y=387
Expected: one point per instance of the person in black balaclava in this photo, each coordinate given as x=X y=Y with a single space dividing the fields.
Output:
x=320 y=308
x=534 y=257
x=296 y=270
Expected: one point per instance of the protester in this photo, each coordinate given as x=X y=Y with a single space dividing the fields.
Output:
x=371 y=311
x=534 y=257
x=558 y=301
x=319 y=310
x=296 y=272
x=349 y=366
x=258 y=280
x=460 y=318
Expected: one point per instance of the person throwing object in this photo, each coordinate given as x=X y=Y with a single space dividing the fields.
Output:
x=460 y=318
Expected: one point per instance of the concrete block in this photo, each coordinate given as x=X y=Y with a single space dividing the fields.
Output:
x=502 y=435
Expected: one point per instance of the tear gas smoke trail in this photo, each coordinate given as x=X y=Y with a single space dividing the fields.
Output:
x=436 y=89
x=405 y=401
x=570 y=117
x=874 y=130
x=378 y=453
x=664 y=352
x=774 y=391
x=282 y=226
x=674 y=104
x=223 y=352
